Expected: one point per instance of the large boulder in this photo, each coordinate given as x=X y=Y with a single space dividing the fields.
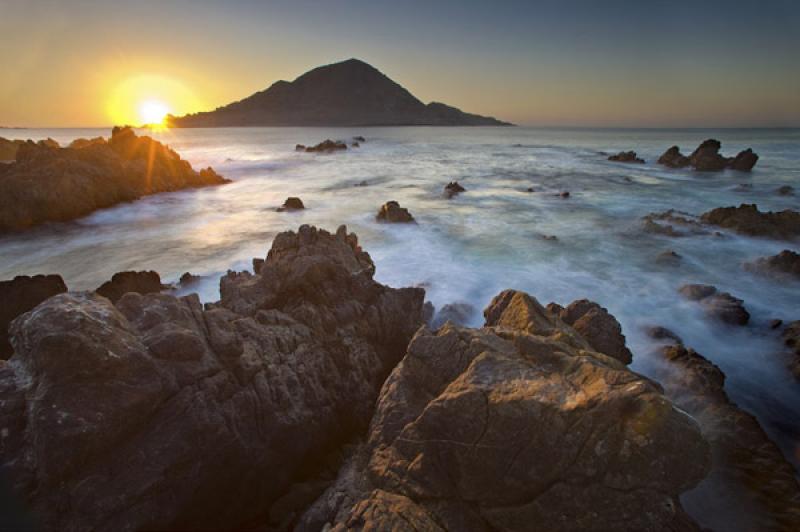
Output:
x=744 y=161
x=598 y=327
x=746 y=219
x=673 y=158
x=20 y=295
x=751 y=485
x=706 y=157
x=392 y=212
x=785 y=264
x=626 y=157
x=48 y=183
x=516 y=426
x=145 y=282
x=453 y=189
x=154 y=413
x=721 y=306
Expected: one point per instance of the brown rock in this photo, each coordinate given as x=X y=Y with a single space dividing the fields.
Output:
x=785 y=264
x=20 y=295
x=391 y=212
x=626 y=157
x=598 y=327
x=457 y=313
x=706 y=157
x=718 y=305
x=123 y=282
x=292 y=204
x=326 y=146
x=785 y=190
x=744 y=161
x=662 y=333
x=673 y=158
x=748 y=220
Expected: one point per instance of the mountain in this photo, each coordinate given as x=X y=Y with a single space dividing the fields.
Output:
x=350 y=93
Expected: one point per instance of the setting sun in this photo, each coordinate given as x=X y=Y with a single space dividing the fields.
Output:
x=152 y=112
x=148 y=98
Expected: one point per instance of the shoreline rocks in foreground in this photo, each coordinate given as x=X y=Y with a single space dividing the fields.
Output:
x=21 y=294
x=49 y=183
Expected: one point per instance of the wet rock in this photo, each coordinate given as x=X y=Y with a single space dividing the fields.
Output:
x=564 y=194
x=21 y=294
x=292 y=204
x=48 y=183
x=188 y=278
x=144 y=282
x=626 y=157
x=748 y=220
x=744 y=161
x=428 y=311
x=673 y=158
x=598 y=327
x=359 y=138
x=530 y=189
x=355 y=145
x=453 y=189
x=362 y=184
x=326 y=146
x=785 y=264
x=673 y=223
x=457 y=313
x=706 y=157
x=669 y=258
x=785 y=190
x=791 y=337
x=656 y=332
x=300 y=147
x=457 y=439
x=156 y=414
x=719 y=305
x=750 y=480
x=257 y=264
x=392 y=212
x=774 y=324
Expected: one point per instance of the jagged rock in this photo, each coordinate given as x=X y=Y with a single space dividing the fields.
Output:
x=49 y=183
x=626 y=157
x=564 y=195
x=326 y=146
x=598 y=327
x=669 y=258
x=300 y=147
x=456 y=313
x=785 y=190
x=391 y=212
x=706 y=157
x=292 y=204
x=718 y=305
x=82 y=143
x=673 y=158
x=20 y=295
x=257 y=264
x=452 y=189
x=656 y=332
x=744 y=161
x=187 y=279
x=743 y=187
x=155 y=414
x=751 y=486
x=748 y=220
x=785 y=264
x=123 y=282
x=673 y=223
x=516 y=426
x=359 y=138
x=428 y=311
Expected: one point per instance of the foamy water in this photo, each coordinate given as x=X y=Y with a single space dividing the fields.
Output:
x=485 y=240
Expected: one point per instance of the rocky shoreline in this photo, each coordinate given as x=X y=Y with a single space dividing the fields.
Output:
x=311 y=396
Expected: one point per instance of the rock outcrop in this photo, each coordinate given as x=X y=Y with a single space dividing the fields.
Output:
x=292 y=203
x=746 y=219
x=751 y=485
x=706 y=158
x=57 y=184
x=719 y=305
x=457 y=313
x=673 y=223
x=785 y=264
x=20 y=295
x=392 y=212
x=452 y=189
x=674 y=158
x=791 y=337
x=145 y=282
x=516 y=426
x=626 y=157
x=598 y=327
x=326 y=146
x=157 y=414
x=785 y=190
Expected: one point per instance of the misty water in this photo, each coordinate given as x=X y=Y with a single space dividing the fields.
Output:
x=471 y=247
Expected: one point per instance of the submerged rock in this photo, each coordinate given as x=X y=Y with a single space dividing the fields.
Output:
x=719 y=305
x=626 y=157
x=785 y=190
x=326 y=146
x=123 y=282
x=785 y=264
x=748 y=220
x=516 y=426
x=20 y=295
x=673 y=223
x=673 y=158
x=359 y=138
x=452 y=189
x=392 y=212
x=669 y=258
x=156 y=414
x=791 y=337
x=656 y=332
x=292 y=204
x=49 y=183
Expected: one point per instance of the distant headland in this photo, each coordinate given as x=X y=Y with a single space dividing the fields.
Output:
x=349 y=93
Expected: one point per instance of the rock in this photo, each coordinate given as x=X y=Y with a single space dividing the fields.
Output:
x=626 y=157
x=359 y=138
x=744 y=161
x=300 y=147
x=187 y=279
x=785 y=190
x=453 y=189
x=662 y=333
x=669 y=258
x=748 y=220
x=21 y=294
x=428 y=311
x=391 y=212
x=774 y=324
x=598 y=327
x=751 y=485
x=791 y=337
x=362 y=184
x=156 y=414
x=516 y=427
x=564 y=195
x=785 y=264
x=456 y=313
x=257 y=264
x=83 y=143
x=123 y=282
x=292 y=204
x=673 y=158
x=326 y=146
x=719 y=305
x=673 y=223
x=8 y=149
x=49 y=183
x=743 y=187
x=706 y=157
x=355 y=144
x=530 y=189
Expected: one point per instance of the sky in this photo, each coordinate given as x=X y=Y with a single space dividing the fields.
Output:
x=600 y=63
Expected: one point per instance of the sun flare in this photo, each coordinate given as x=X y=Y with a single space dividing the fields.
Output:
x=147 y=99
x=153 y=112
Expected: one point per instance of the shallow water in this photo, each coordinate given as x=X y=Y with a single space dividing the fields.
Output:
x=483 y=241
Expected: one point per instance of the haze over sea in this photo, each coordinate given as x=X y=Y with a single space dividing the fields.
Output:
x=469 y=248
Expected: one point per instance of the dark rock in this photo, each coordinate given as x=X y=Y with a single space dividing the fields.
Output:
x=123 y=282
x=156 y=414
x=673 y=223
x=456 y=313
x=706 y=157
x=785 y=264
x=744 y=161
x=362 y=184
x=743 y=187
x=292 y=204
x=748 y=220
x=300 y=147
x=83 y=143
x=452 y=189
x=458 y=439
x=750 y=480
x=673 y=158
x=391 y=212
x=530 y=189
x=598 y=327
x=669 y=258
x=355 y=144
x=774 y=324
x=791 y=337
x=719 y=305
x=188 y=278
x=657 y=332
x=327 y=146
x=20 y=295
x=257 y=264
x=359 y=138
x=428 y=311
x=564 y=195
x=626 y=157
x=49 y=183
x=785 y=190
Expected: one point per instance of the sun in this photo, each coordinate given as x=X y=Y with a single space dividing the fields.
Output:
x=153 y=112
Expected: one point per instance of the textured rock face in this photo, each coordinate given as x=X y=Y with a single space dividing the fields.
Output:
x=123 y=282
x=626 y=157
x=48 y=183
x=674 y=158
x=750 y=477
x=392 y=212
x=20 y=295
x=517 y=426
x=156 y=414
x=746 y=219
x=292 y=204
x=785 y=264
x=718 y=305
x=457 y=313
x=598 y=327
x=706 y=158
